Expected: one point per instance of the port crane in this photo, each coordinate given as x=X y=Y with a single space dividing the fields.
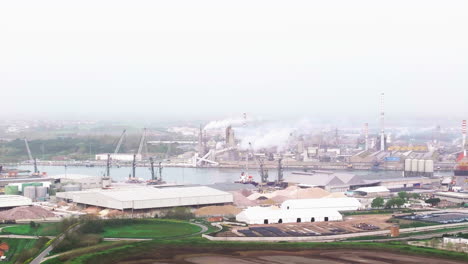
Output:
x=31 y=159
x=119 y=144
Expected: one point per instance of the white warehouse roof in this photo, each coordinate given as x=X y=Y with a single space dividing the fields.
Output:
x=14 y=201
x=375 y=189
x=338 y=204
x=269 y=215
x=149 y=197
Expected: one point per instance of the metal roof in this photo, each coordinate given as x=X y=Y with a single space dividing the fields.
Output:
x=373 y=189
x=14 y=200
x=323 y=203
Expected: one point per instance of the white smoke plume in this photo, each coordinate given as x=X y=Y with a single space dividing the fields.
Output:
x=222 y=124
x=271 y=134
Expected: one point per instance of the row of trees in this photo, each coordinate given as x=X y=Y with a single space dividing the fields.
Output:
x=400 y=200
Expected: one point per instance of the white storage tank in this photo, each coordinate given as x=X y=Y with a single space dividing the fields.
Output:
x=421 y=164
x=414 y=165
x=30 y=192
x=41 y=192
x=407 y=164
x=429 y=168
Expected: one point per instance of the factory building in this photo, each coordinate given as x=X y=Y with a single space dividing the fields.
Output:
x=337 y=204
x=269 y=215
x=374 y=191
x=83 y=181
x=452 y=197
x=140 y=198
x=9 y=201
x=329 y=181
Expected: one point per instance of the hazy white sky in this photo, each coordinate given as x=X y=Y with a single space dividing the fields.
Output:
x=204 y=59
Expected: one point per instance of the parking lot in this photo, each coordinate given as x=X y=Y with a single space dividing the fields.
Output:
x=351 y=224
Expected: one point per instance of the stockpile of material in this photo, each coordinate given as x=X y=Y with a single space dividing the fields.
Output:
x=26 y=212
x=226 y=210
x=292 y=192
x=242 y=201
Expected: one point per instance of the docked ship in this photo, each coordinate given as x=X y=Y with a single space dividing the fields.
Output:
x=461 y=169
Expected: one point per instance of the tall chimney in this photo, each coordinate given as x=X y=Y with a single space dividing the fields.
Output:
x=382 y=123
x=366 y=135
x=464 y=137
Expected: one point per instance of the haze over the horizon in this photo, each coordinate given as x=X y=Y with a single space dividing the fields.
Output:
x=210 y=59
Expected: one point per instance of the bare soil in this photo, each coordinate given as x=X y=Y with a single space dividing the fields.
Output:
x=344 y=256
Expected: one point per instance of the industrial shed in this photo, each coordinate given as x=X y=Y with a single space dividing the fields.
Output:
x=9 y=201
x=148 y=197
x=337 y=204
x=372 y=191
x=269 y=215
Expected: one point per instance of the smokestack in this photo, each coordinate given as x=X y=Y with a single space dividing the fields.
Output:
x=244 y=123
x=366 y=135
x=464 y=137
x=382 y=123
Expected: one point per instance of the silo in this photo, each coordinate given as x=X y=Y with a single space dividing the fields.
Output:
x=407 y=164
x=429 y=168
x=30 y=192
x=421 y=165
x=31 y=184
x=41 y=193
x=11 y=190
x=414 y=165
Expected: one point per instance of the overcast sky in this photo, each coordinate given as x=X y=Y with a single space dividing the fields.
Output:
x=209 y=59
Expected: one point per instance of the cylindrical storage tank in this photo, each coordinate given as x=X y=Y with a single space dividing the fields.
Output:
x=429 y=168
x=414 y=165
x=421 y=165
x=72 y=188
x=407 y=164
x=30 y=192
x=31 y=184
x=11 y=190
x=41 y=193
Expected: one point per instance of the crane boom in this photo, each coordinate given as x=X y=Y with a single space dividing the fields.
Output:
x=120 y=142
x=142 y=142
x=28 y=150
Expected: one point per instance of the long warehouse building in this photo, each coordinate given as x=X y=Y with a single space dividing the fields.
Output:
x=140 y=198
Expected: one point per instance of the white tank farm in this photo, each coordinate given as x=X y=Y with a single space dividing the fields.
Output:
x=414 y=165
x=429 y=168
x=30 y=192
x=407 y=164
x=41 y=192
x=421 y=164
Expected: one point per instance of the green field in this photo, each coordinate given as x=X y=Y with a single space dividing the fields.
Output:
x=17 y=246
x=44 y=229
x=151 y=229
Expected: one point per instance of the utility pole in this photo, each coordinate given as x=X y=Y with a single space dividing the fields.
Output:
x=152 y=168
x=134 y=165
x=108 y=165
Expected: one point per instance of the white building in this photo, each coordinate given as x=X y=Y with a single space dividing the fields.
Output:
x=337 y=204
x=148 y=197
x=270 y=215
x=119 y=157
x=456 y=240
x=7 y=201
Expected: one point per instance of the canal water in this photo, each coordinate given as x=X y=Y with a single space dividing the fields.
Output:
x=178 y=175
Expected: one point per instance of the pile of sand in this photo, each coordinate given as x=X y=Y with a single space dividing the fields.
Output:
x=242 y=201
x=292 y=192
x=225 y=210
x=336 y=195
x=92 y=210
x=26 y=212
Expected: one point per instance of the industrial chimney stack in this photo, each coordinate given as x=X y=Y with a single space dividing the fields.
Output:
x=382 y=123
x=464 y=137
x=366 y=135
